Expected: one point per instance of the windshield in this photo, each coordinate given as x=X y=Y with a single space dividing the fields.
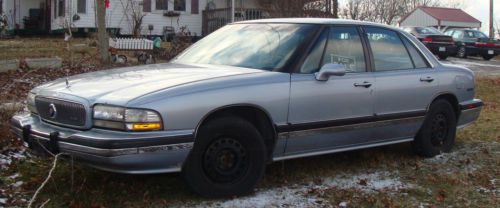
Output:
x=427 y=31
x=258 y=46
x=475 y=34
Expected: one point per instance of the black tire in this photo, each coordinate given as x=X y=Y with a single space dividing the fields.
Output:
x=462 y=52
x=227 y=160
x=437 y=134
x=443 y=57
x=488 y=57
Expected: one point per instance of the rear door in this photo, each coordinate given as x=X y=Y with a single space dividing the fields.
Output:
x=405 y=83
x=318 y=109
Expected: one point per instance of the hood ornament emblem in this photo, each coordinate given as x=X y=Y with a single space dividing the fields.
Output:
x=52 y=111
x=67 y=83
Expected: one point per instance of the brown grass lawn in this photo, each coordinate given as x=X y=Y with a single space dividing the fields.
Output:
x=466 y=177
x=37 y=48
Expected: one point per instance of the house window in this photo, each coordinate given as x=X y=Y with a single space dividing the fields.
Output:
x=60 y=8
x=180 y=5
x=161 y=4
x=81 y=6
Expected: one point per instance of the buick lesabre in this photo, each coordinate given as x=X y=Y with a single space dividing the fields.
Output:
x=252 y=93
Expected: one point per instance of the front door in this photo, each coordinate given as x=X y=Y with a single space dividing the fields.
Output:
x=320 y=110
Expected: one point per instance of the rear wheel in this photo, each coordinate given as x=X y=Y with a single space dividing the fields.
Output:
x=488 y=57
x=228 y=159
x=462 y=53
x=437 y=134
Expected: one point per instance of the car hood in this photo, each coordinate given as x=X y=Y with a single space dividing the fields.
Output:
x=117 y=86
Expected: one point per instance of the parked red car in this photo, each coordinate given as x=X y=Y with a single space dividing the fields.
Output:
x=438 y=43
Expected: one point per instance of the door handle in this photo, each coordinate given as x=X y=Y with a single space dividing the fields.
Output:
x=365 y=84
x=426 y=79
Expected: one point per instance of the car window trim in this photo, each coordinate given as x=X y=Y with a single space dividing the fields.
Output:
x=427 y=65
x=298 y=59
x=318 y=34
x=360 y=34
x=407 y=51
x=430 y=65
x=370 y=65
x=397 y=34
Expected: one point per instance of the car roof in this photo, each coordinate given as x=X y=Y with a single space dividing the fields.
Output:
x=324 y=21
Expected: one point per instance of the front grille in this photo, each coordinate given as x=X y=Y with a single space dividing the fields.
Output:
x=68 y=113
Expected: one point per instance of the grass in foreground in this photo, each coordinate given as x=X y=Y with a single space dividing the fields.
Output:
x=466 y=177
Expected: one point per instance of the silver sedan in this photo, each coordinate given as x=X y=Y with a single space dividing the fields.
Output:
x=252 y=93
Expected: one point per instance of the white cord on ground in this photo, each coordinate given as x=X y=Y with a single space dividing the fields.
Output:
x=44 y=182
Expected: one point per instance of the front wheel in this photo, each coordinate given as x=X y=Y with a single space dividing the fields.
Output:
x=437 y=134
x=227 y=160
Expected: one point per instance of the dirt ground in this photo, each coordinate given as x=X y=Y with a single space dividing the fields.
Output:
x=391 y=176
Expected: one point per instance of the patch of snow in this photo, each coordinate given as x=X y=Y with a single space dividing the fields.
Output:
x=14 y=176
x=270 y=198
x=7 y=157
x=376 y=181
x=3 y=201
x=17 y=184
x=297 y=195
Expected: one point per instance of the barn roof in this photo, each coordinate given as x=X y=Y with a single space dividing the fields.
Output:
x=445 y=14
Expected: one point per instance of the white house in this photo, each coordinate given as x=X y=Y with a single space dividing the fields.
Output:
x=53 y=15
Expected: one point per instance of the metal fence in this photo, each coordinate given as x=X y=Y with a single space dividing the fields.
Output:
x=216 y=18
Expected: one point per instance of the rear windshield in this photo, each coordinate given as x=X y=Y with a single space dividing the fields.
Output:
x=427 y=31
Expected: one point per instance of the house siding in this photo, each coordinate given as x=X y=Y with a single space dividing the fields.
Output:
x=115 y=18
x=461 y=24
x=419 y=18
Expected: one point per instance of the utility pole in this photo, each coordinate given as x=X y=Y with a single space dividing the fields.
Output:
x=492 y=31
x=102 y=38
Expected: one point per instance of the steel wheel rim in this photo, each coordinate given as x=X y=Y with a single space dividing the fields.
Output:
x=225 y=160
x=461 y=52
x=439 y=130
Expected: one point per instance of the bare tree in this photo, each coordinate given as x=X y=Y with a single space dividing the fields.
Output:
x=386 y=11
x=301 y=8
x=102 y=37
x=134 y=14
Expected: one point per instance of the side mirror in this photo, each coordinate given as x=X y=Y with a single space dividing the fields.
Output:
x=330 y=70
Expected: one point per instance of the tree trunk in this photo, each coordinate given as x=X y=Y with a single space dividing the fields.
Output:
x=335 y=8
x=102 y=37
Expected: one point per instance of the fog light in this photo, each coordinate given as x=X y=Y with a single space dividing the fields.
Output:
x=143 y=126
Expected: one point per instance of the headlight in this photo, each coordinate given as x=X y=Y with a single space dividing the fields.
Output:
x=30 y=101
x=113 y=117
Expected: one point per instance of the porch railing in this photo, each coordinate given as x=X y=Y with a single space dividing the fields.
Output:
x=216 y=18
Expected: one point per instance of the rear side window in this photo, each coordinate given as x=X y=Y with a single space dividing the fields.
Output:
x=457 y=34
x=388 y=50
x=344 y=47
x=416 y=56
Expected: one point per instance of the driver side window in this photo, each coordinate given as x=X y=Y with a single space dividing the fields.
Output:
x=343 y=46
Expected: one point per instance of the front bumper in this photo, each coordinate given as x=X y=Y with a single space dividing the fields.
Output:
x=470 y=111
x=123 y=152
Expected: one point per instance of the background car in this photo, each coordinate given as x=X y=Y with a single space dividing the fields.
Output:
x=474 y=43
x=438 y=43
